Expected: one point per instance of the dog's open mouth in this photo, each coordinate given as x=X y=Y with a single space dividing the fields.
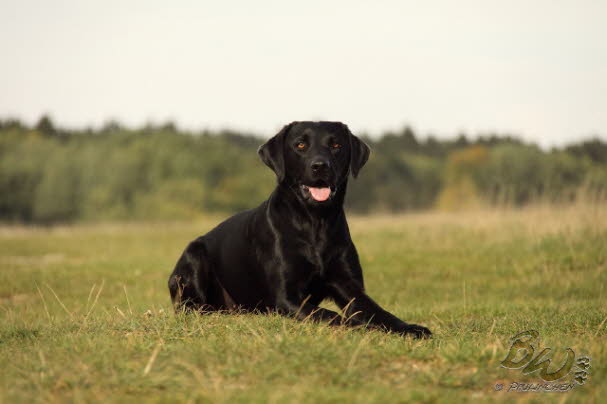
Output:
x=319 y=194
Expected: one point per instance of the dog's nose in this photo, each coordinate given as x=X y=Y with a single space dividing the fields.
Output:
x=319 y=165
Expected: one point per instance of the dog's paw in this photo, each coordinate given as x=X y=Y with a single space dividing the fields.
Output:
x=416 y=331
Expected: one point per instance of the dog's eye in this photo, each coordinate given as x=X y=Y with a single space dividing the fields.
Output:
x=335 y=146
x=301 y=145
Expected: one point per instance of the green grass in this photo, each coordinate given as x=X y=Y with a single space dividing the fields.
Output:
x=85 y=314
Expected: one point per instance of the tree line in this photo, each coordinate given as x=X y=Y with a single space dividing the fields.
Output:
x=159 y=172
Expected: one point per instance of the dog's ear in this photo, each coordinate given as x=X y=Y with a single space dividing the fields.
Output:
x=272 y=152
x=359 y=153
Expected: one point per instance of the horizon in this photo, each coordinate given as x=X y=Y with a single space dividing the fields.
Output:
x=472 y=138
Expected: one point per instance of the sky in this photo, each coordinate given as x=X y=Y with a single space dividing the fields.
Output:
x=536 y=69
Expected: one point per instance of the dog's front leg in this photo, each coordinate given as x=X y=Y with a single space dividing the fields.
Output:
x=363 y=308
x=291 y=301
x=358 y=307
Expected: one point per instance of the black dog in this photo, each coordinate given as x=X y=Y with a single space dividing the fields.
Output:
x=294 y=250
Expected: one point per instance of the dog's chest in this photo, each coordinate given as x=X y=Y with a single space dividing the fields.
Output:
x=316 y=250
x=315 y=257
x=316 y=244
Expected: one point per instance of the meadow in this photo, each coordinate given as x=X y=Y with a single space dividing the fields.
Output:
x=85 y=314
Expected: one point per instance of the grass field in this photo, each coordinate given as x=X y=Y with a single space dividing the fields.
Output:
x=85 y=314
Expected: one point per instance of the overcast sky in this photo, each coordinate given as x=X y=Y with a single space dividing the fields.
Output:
x=533 y=68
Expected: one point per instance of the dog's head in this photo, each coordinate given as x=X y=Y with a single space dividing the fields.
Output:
x=314 y=158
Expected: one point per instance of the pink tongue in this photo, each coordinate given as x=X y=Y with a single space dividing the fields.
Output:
x=320 y=194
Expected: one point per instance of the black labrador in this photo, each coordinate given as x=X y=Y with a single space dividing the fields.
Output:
x=294 y=250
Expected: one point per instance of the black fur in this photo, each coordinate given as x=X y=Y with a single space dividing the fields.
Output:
x=291 y=252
